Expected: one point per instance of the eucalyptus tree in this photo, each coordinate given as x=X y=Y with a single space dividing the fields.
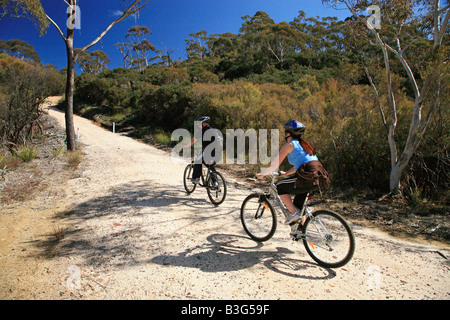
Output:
x=413 y=34
x=92 y=62
x=196 y=46
x=139 y=47
x=129 y=7
x=19 y=49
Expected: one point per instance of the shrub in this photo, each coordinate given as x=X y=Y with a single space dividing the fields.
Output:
x=23 y=88
x=26 y=153
x=74 y=159
x=9 y=162
x=162 y=137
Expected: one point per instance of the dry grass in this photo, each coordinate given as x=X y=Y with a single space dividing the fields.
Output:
x=58 y=232
x=9 y=162
x=21 y=181
x=74 y=159
x=21 y=190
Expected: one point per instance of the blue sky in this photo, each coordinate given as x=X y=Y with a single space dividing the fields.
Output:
x=170 y=21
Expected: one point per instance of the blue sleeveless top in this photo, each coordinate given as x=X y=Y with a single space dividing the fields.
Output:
x=298 y=156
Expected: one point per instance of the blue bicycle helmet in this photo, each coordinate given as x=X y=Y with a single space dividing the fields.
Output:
x=295 y=127
x=204 y=119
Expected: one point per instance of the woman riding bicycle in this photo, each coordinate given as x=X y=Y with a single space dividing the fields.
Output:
x=302 y=156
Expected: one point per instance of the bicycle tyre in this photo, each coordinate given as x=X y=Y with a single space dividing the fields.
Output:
x=339 y=246
x=258 y=217
x=187 y=176
x=217 y=194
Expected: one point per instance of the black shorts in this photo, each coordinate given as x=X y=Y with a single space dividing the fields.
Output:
x=287 y=186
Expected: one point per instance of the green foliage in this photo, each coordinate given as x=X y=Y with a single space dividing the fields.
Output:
x=92 y=63
x=31 y=9
x=268 y=74
x=23 y=88
x=164 y=138
x=19 y=49
x=26 y=153
x=56 y=152
x=163 y=106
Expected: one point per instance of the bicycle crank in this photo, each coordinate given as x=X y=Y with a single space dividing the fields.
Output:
x=297 y=235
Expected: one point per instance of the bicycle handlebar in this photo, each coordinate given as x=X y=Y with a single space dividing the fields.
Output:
x=273 y=174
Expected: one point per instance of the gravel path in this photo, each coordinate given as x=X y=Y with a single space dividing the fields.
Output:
x=131 y=232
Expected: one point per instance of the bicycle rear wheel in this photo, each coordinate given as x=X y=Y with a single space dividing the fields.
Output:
x=187 y=179
x=217 y=188
x=258 y=217
x=328 y=239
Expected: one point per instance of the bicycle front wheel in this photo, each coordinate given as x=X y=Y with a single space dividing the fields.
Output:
x=187 y=179
x=217 y=188
x=329 y=240
x=258 y=217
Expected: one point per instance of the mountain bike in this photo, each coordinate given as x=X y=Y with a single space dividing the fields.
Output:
x=327 y=237
x=210 y=179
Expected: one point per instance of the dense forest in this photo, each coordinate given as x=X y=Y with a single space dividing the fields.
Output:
x=310 y=69
x=320 y=71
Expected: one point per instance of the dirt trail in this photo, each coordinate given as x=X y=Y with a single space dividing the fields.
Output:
x=131 y=232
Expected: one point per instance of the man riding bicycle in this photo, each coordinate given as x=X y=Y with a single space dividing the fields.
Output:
x=204 y=122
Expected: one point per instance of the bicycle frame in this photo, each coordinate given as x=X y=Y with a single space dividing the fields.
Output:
x=204 y=179
x=273 y=194
x=327 y=237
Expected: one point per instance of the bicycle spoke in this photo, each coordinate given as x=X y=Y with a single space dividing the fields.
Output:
x=328 y=239
x=216 y=187
x=187 y=179
x=258 y=218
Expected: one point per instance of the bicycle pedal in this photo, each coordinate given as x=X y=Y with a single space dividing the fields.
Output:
x=297 y=235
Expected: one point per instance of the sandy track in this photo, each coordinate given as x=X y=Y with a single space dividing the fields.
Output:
x=131 y=232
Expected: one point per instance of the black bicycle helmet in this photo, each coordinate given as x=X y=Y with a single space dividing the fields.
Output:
x=204 y=119
x=295 y=127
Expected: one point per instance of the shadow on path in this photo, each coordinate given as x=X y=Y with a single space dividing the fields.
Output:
x=225 y=253
x=140 y=223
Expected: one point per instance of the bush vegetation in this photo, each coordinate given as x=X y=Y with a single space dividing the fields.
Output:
x=270 y=73
x=23 y=88
x=319 y=83
x=342 y=118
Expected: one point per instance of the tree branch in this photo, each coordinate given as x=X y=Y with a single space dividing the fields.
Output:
x=441 y=32
x=407 y=69
x=57 y=27
x=126 y=13
x=377 y=96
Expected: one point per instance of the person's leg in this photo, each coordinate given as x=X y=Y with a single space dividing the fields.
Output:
x=197 y=171
x=299 y=202
x=285 y=188
x=287 y=200
x=212 y=167
x=197 y=167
